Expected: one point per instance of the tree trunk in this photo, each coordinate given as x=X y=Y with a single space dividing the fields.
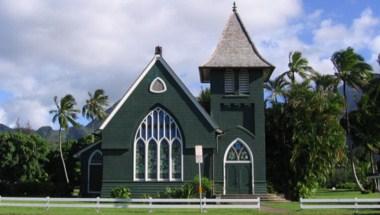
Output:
x=61 y=154
x=374 y=171
x=348 y=135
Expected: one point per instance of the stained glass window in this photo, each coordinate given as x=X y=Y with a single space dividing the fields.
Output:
x=152 y=160
x=140 y=159
x=164 y=159
x=160 y=138
x=176 y=159
x=238 y=152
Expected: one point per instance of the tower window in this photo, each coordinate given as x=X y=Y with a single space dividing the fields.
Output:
x=236 y=82
x=229 y=82
x=243 y=82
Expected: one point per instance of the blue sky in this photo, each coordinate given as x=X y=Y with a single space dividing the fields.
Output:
x=51 y=48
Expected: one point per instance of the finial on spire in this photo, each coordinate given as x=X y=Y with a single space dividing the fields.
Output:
x=234 y=7
x=158 y=50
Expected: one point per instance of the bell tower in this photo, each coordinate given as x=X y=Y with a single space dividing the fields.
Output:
x=236 y=73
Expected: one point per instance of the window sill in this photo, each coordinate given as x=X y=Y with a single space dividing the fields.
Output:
x=236 y=96
x=155 y=180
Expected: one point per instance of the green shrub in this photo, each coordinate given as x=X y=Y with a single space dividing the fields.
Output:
x=186 y=191
x=347 y=185
x=206 y=186
x=121 y=192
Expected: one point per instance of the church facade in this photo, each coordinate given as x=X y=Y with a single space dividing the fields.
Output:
x=148 y=140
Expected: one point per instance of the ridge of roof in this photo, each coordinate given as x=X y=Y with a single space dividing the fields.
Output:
x=141 y=77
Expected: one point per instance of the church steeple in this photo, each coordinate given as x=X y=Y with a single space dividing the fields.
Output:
x=235 y=49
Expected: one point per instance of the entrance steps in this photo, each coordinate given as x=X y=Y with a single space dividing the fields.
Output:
x=270 y=197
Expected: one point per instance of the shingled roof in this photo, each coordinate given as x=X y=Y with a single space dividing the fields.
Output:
x=235 y=50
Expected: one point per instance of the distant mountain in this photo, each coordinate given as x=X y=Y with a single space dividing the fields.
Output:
x=52 y=135
x=73 y=133
x=4 y=128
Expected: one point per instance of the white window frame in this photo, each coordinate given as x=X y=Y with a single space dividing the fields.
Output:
x=152 y=84
x=89 y=163
x=225 y=161
x=170 y=140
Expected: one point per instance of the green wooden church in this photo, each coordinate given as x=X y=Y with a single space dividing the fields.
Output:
x=148 y=140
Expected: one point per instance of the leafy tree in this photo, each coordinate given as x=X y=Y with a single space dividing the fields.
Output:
x=327 y=83
x=366 y=135
x=297 y=65
x=95 y=107
x=353 y=71
x=204 y=99
x=66 y=114
x=305 y=136
x=318 y=139
x=23 y=157
x=56 y=176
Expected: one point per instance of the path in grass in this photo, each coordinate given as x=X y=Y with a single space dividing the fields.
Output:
x=272 y=210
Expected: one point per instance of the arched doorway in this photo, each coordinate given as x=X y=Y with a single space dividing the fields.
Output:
x=95 y=171
x=238 y=168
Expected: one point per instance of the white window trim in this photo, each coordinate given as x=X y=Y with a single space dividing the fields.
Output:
x=157 y=91
x=237 y=162
x=89 y=172
x=170 y=141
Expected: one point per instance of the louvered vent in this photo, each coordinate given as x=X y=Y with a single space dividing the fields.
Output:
x=229 y=82
x=243 y=82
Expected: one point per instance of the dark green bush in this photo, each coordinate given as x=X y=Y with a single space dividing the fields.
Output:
x=121 y=192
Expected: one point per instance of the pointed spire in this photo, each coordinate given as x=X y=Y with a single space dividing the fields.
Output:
x=234 y=7
x=235 y=49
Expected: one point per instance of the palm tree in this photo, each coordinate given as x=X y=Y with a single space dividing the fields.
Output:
x=353 y=71
x=95 y=107
x=325 y=83
x=65 y=114
x=276 y=87
x=297 y=65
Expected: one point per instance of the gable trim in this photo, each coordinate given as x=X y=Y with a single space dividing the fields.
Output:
x=78 y=154
x=129 y=92
x=141 y=77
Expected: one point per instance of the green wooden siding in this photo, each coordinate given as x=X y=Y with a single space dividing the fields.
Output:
x=118 y=136
x=238 y=116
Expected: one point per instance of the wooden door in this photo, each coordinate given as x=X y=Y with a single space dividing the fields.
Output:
x=238 y=178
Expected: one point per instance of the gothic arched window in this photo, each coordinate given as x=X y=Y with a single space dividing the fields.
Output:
x=238 y=152
x=158 y=148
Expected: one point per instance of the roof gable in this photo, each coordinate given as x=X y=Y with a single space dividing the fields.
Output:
x=154 y=61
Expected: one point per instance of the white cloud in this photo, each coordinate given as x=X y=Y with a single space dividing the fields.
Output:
x=56 y=47
x=3 y=117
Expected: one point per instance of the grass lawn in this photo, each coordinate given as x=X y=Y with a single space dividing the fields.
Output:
x=325 y=193
x=266 y=208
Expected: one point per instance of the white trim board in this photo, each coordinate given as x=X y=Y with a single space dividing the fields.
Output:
x=129 y=92
x=141 y=77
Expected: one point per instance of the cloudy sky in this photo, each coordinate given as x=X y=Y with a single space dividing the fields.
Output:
x=53 y=47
